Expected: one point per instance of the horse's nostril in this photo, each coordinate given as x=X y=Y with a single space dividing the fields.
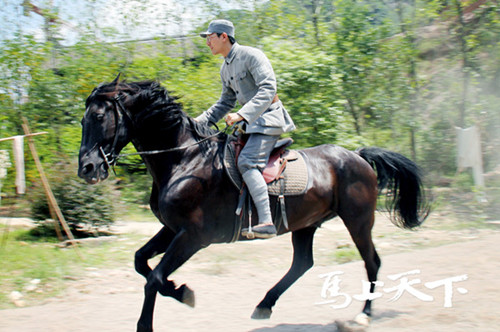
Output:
x=87 y=168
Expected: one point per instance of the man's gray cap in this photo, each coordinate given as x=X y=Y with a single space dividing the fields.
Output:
x=219 y=26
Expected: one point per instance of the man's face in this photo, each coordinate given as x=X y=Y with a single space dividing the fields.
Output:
x=215 y=43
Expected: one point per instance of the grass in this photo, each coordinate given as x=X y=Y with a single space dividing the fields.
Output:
x=25 y=259
x=346 y=255
x=136 y=213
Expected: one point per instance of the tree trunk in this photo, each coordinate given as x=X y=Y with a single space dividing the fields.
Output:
x=465 y=63
x=315 y=20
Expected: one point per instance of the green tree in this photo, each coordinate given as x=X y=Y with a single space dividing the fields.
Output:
x=355 y=44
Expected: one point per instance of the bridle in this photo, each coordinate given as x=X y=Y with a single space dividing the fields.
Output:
x=121 y=112
x=111 y=157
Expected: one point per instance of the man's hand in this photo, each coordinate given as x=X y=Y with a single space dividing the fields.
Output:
x=232 y=118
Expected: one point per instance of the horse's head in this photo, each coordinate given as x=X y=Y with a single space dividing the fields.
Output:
x=105 y=131
x=118 y=112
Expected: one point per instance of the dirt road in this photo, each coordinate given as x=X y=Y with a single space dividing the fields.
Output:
x=228 y=288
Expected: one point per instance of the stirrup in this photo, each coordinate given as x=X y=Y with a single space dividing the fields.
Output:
x=266 y=231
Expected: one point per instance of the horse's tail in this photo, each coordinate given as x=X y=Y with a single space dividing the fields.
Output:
x=406 y=200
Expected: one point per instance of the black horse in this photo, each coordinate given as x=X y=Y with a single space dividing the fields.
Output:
x=195 y=200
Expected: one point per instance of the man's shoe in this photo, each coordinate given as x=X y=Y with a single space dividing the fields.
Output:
x=262 y=231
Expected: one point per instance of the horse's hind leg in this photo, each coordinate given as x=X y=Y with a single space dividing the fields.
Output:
x=360 y=228
x=158 y=245
x=302 y=241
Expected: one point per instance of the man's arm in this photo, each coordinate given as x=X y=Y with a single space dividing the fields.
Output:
x=226 y=103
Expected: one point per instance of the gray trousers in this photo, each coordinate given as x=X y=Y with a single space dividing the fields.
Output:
x=252 y=160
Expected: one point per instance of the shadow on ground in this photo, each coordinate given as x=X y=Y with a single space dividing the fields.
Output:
x=299 y=328
x=337 y=326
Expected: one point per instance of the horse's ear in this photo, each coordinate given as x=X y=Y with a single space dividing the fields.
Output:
x=117 y=79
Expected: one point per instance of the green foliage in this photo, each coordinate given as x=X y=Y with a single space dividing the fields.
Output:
x=463 y=181
x=492 y=203
x=438 y=159
x=310 y=89
x=87 y=209
x=350 y=72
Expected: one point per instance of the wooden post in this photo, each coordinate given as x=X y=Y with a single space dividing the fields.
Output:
x=30 y=135
x=48 y=190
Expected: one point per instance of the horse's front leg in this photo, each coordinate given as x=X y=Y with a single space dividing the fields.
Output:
x=181 y=248
x=158 y=245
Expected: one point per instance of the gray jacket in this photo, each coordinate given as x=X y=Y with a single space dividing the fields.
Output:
x=248 y=77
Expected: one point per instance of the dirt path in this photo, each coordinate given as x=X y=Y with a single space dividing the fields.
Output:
x=228 y=288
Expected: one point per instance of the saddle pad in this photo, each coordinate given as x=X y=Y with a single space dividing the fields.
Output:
x=295 y=173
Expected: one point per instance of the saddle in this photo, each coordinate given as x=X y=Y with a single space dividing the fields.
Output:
x=283 y=164
x=277 y=159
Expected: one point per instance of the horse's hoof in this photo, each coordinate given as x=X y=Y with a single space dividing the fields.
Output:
x=262 y=313
x=188 y=297
x=363 y=319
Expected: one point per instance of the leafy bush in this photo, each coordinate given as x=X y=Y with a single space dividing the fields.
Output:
x=87 y=209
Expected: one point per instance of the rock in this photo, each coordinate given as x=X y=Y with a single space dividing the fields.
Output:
x=70 y=278
x=362 y=319
x=15 y=296
x=33 y=285
x=30 y=288
x=343 y=244
x=20 y=303
x=35 y=281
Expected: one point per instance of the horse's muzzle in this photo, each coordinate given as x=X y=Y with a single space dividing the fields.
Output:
x=92 y=167
x=93 y=172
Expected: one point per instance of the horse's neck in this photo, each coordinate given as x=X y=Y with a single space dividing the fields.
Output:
x=163 y=162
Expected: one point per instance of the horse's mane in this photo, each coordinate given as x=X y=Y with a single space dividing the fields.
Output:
x=155 y=109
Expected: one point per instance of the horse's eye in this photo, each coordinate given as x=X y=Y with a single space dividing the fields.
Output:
x=99 y=117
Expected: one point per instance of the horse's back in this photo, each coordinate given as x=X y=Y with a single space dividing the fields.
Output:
x=342 y=177
x=337 y=159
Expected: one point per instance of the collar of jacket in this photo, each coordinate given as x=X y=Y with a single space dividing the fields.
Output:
x=232 y=54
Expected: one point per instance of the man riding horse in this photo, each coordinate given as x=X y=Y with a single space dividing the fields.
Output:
x=248 y=77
